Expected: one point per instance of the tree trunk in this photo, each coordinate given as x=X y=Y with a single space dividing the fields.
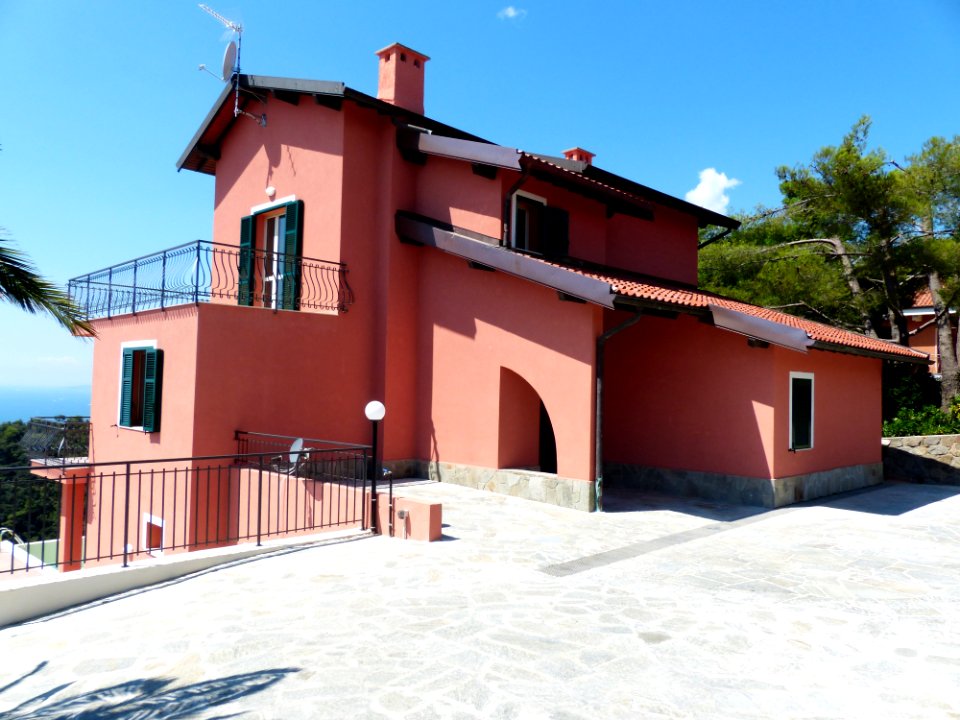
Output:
x=848 y=274
x=899 y=331
x=946 y=350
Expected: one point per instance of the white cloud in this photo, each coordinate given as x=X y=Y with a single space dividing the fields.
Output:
x=512 y=13
x=709 y=192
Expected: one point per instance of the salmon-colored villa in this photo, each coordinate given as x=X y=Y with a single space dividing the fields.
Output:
x=531 y=323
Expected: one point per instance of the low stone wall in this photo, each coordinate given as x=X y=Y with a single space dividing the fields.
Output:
x=740 y=490
x=923 y=459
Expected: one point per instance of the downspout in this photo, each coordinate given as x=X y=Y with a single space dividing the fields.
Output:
x=507 y=215
x=598 y=431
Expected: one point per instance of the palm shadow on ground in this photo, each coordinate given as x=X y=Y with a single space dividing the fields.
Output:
x=144 y=698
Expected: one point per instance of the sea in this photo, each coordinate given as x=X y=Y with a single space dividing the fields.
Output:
x=23 y=403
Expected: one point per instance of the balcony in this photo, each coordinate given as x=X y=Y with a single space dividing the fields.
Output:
x=57 y=437
x=206 y=272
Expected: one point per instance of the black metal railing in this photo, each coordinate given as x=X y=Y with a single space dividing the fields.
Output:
x=56 y=437
x=67 y=515
x=203 y=271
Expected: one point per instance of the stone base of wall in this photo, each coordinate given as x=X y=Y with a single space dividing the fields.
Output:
x=527 y=484
x=923 y=459
x=739 y=490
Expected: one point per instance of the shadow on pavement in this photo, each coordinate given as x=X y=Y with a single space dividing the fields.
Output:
x=622 y=499
x=144 y=699
x=889 y=498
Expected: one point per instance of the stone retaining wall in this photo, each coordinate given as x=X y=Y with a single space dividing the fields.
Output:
x=740 y=490
x=923 y=459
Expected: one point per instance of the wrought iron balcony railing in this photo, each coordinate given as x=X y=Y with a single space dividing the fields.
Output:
x=56 y=437
x=203 y=271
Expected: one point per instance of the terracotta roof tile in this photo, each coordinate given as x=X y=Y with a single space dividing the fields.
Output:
x=683 y=297
x=923 y=298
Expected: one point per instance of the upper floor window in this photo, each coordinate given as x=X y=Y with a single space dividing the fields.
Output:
x=539 y=228
x=271 y=248
x=801 y=411
x=140 y=388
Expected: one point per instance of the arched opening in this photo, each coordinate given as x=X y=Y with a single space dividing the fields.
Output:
x=526 y=437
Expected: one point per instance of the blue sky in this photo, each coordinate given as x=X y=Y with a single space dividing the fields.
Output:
x=101 y=98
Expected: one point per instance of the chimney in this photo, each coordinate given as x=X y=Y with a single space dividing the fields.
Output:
x=401 y=77
x=578 y=154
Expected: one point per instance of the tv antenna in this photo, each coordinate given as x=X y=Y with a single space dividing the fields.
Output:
x=230 y=67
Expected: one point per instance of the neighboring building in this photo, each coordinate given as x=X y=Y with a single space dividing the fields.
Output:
x=506 y=307
x=922 y=325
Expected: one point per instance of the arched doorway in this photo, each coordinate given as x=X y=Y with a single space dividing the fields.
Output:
x=526 y=436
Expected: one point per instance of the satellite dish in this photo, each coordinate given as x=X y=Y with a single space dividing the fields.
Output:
x=295 y=448
x=229 y=60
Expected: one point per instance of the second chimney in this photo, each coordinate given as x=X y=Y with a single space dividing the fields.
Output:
x=401 y=77
x=578 y=154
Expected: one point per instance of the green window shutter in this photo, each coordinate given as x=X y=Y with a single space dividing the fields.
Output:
x=152 y=377
x=126 y=387
x=246 y=273
x=292 y=250
x=556 y=233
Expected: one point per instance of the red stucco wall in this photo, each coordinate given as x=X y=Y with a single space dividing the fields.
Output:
x=175 y=332
x=472 y=324
x=684 y=395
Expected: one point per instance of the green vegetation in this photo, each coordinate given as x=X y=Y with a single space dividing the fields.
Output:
x=21 y=285
x=857 y=236
x=30 y=506
x=928 y=420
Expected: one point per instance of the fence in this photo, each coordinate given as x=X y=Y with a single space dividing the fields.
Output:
x=67 y=515
x=202 y=271
x=56 y=437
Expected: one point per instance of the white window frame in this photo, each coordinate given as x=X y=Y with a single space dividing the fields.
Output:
x=513 y=215
x=272 y=204
x=149 y=519
x=271 y=248
x=803 y=376
x=139 y=344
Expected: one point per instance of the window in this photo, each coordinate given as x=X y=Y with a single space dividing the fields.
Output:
x=801 y=411
x=140 y=381
x=271 y=245
x=152 y=533
x=539 y=228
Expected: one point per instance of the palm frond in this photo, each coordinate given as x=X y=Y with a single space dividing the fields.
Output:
x=23 y=286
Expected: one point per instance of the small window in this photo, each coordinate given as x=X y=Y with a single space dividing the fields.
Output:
x=801 y=411
x=140 y=380
x=539 y=228
x=152 y=540
x=527 y=222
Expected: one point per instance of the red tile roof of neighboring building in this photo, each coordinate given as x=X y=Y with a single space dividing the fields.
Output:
x=682 y=297
x=923 y=298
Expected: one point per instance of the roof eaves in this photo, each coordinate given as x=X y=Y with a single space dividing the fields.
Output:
x=704 y=216
x=915 y=357
x=201 y=131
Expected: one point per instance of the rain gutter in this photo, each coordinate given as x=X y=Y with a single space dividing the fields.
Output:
x=598 y=420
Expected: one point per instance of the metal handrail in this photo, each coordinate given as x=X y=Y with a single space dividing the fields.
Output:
x=124 y=510
x=203 y=271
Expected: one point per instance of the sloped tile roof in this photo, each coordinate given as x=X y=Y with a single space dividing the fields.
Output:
x=684 y=297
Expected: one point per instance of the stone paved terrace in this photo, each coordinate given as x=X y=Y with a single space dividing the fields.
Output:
x=848 y=608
